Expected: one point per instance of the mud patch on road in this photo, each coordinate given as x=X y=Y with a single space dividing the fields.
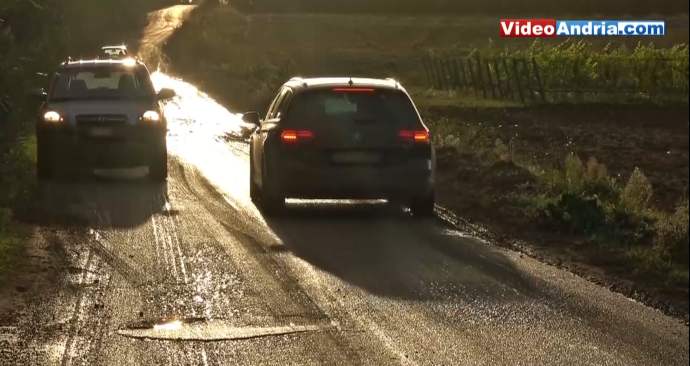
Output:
x=204 y=330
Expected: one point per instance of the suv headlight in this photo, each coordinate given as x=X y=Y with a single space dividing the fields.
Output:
x=151 y=117
x=52 y=117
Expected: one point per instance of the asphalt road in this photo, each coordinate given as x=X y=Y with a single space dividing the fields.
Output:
x=191 y=273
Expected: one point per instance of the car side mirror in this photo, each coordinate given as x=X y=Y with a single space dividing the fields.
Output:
x=166 y=94
x=252 y=118
x=39 y=94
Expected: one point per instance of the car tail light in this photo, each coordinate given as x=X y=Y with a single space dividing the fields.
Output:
x=354 y=90
x=296 y=136
x=420 y=136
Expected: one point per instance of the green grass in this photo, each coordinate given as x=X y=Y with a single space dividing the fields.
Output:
x=12 y=241
x=18 y=183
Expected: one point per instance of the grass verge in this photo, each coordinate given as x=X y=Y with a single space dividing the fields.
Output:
x=17 y=160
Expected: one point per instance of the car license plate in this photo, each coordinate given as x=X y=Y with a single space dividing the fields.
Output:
x=356 y=157
x=101 y=132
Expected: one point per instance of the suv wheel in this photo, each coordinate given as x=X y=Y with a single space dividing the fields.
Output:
x=423 y=206
x=44 y=165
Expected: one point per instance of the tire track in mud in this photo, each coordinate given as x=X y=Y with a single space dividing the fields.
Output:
x=89 y=321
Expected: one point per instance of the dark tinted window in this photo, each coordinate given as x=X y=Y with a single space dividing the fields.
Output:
x=102 y=83
x=323 y=107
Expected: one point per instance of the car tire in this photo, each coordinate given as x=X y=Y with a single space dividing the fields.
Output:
x=254 y=193
x=44 y=162
x=158 y=171
x=423 y=206
x=272 y=198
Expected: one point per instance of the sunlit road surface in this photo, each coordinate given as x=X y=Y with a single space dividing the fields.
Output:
x=191 y=273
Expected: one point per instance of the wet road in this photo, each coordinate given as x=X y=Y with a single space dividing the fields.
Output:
x=190 y=273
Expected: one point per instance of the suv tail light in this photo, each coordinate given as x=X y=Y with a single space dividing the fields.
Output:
x=296 y=136
x=420 y=136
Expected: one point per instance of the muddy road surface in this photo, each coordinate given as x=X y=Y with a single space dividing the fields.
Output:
x=191 y=273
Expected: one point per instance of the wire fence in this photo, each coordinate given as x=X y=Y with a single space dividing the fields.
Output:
x=531 y=80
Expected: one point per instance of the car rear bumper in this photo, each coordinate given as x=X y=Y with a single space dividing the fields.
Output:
x=403 y=180
x=124 y=147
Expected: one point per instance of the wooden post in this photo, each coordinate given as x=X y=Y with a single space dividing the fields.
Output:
x=518 y=83
x=479 y=75
x=490 y=79
x=427 y=72
x=472 y=76
x=442 y=70
x=456 y=73
x=437 y=74
x=528 y=78
x=449 y=74
x=499 y=79
x=462 y=77
x=540 y=85
x=510 y=90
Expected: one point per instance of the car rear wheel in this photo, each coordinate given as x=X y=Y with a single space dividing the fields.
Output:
x=272 y=197
x=253 y=187
x=158 y=171
x=423 y=206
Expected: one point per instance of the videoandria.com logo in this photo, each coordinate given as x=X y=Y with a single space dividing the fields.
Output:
x=548 y=28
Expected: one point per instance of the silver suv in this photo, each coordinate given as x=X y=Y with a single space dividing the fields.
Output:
x=102 y=114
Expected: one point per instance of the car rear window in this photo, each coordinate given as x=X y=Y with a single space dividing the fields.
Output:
x=102 y=83
x=378 y=106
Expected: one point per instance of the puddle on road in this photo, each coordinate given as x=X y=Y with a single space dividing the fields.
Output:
x=9 y=335
x=203 y=330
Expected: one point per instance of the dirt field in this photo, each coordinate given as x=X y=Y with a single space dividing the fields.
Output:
x=247 y=57
x=653 y=139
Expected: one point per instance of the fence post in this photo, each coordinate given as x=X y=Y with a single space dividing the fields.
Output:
x=437 y=74
x=528 y=78
x=444 y=78
x=427 y=72
x=518 y=83
x=509 y=87
x=490 y=79
x=449 y=75
x=473 y=77
x=500 y=80
x=456 y=74
x=479 y=74
x=537 y=74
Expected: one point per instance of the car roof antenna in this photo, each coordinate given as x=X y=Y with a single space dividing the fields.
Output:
x=351 y=83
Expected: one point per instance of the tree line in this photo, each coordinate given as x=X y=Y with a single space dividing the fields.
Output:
x=497 y=7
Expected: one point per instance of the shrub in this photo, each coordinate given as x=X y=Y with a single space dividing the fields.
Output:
x=580 y=214
x=672 y=235
x=637 y=192
x=574 y=174
x=502 y=151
